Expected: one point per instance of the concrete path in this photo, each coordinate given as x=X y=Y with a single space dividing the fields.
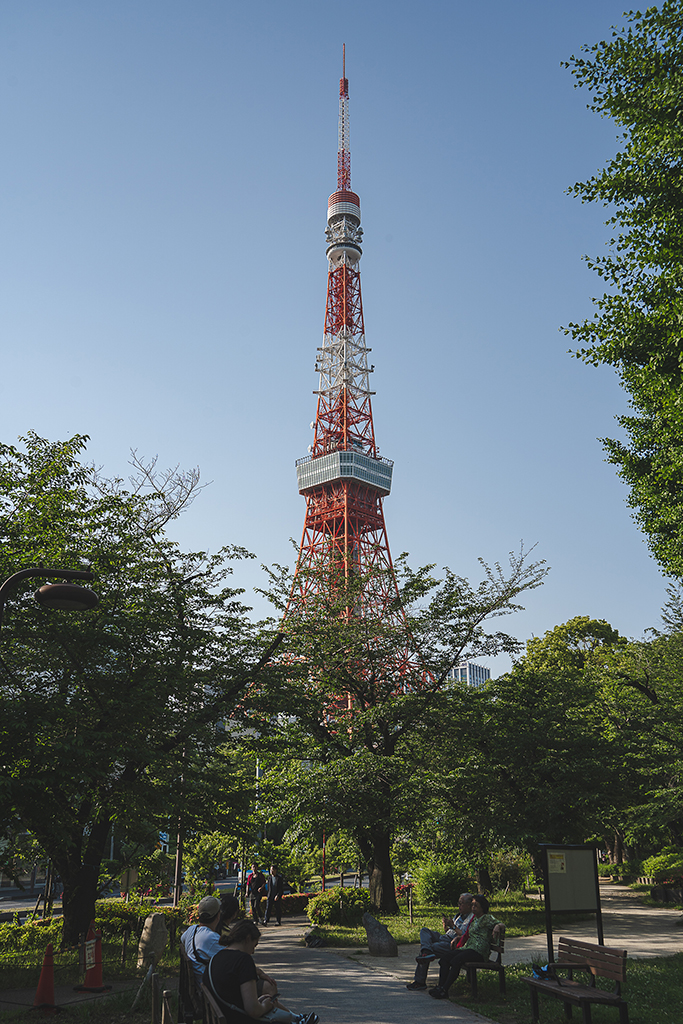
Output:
x=627 y=924
x=345 y=986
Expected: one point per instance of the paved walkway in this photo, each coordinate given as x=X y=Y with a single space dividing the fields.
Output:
x=626 y=922
x=348 y=987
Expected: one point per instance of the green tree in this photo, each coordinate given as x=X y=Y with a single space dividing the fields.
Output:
x=350 y=711
x=573 y=746
x=636 y=78
x=643 y=695
x=113 y=715
x=556 y=771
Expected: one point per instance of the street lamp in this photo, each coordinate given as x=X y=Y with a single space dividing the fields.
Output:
x=66 y=596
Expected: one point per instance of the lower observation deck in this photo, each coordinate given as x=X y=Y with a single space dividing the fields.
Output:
x=314 y=471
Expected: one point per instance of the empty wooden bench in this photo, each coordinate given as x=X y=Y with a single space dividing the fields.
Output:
x=599 y=962
x=494 y=964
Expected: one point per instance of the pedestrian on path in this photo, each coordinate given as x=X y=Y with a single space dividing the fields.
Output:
x=275 y=889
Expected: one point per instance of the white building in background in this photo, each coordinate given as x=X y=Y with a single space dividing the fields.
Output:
x=470 y=673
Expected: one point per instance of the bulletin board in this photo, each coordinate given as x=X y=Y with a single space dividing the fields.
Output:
x=570 y=877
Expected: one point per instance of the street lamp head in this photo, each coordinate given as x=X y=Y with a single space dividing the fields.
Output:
x=66 y=596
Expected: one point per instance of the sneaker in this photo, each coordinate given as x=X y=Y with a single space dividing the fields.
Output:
x=310 y=1018
x=425 y=958
x=416 y=986
x=438 y=992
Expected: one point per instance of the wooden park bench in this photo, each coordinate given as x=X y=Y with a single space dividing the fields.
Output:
x=224 y=1014
x=599 y=961
x=495 y=964
x=189 y=1000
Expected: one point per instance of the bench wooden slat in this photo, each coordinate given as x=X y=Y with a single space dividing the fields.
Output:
x=574 y=991
x=600 y=961
x=189 y=1001
x=604 y=961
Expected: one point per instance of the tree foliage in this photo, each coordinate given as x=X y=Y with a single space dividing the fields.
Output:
x=636 y=78
x=113 y=715
x=348 y=718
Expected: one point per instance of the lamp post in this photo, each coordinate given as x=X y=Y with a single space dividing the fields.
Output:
x=65 y=596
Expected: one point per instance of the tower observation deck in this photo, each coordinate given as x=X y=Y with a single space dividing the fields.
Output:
x=344 y=479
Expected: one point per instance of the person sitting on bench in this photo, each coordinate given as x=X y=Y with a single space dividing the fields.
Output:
x=231 y=978
x=201 y=940
x=230 y=907
x=434 y=944
x=483 y=931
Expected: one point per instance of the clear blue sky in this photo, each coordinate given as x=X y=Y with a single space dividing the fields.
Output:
x=163 y=181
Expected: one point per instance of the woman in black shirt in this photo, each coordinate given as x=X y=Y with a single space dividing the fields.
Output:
x=231 y=977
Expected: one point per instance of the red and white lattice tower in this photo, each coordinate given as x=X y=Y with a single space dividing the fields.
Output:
x=344 y=479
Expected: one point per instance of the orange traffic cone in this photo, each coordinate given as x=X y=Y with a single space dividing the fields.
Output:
x=93 y=963
x=45 y=993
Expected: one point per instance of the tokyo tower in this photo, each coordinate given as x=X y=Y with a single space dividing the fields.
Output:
x=344 y=479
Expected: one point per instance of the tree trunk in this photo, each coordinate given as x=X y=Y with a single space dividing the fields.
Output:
x=615 y=848
x=484 y=878
x=80 y=878
x=80 y=893
x=382 y=886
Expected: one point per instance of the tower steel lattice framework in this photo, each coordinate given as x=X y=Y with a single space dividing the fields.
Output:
x=344 y=478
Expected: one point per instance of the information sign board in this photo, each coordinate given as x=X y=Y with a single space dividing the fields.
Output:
x=570 y=876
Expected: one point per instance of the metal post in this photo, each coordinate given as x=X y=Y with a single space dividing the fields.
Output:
x=323 y=886
x=156 y=999
x=178 y=876
x=166 y=1007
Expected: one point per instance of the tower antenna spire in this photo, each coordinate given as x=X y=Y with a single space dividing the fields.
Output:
x=344 y=479
x=344 y=151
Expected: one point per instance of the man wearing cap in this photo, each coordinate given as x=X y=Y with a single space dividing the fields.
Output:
x=202 y=941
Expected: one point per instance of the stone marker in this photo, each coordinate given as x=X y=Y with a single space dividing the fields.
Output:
x=153 y=939
x=380 y=940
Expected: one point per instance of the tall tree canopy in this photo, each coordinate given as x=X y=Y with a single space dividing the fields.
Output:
x=112 y=715
x=636 y=78
x=349 y=719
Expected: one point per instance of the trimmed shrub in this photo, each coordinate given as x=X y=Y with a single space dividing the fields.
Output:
x=32 y=935
x=338 y=906
x=668 y=865
x=629 y=869
x=509 y=869
x=441 y=884
x=295 y=903
x=113 y=917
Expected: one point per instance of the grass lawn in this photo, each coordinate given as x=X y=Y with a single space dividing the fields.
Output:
x=653 y=991
x=521 y=916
